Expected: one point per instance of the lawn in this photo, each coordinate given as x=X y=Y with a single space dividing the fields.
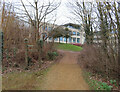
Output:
x=67 y=47
x=23 y=80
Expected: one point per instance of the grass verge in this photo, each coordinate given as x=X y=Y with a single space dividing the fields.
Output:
x=27 y=80
x=96 y=84
x=23 y=80
x=68 y=47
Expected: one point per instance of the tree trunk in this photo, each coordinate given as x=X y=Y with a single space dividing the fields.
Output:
x=40 y=45
x=59 y=39
x=26 y=54
x=118 y=27
x=66 y=40
x=53 y=40
x=1 y=47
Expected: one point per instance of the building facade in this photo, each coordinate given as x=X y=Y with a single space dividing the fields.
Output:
x=78 y=36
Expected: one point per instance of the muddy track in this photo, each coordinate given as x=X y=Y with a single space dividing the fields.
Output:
x=66 y=75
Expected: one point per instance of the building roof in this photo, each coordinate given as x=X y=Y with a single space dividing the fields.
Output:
x=71 y=25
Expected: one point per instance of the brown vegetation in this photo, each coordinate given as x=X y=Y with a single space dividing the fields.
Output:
x=96 y=60
x=13 y=63
x=102 y=31
x=14 y=47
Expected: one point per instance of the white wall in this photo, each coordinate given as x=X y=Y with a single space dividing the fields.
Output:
x=81 y=37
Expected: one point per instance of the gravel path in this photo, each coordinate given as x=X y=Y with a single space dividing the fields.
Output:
x=66 y=75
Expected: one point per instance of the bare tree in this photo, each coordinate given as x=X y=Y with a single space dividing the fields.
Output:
x=102 y=17
x=82 y=12
x=41 y=11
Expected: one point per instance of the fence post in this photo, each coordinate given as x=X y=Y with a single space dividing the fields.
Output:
x=26 y=51
x=1 y=46
x=40 y=46
x=1 y=58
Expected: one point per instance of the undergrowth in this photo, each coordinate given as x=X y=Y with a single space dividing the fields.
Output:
x=96 y=84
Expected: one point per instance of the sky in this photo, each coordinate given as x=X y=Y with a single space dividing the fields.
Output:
x=62 y=12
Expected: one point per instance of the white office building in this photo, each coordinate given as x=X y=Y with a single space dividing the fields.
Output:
x=78 y=36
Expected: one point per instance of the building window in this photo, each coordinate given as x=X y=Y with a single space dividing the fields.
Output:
x=74 y=40
x=78 y=34
x=56 y=39
x=61 y=38
x=70 y=39
x=78 y=40
x=74 y=33
x=64 y=39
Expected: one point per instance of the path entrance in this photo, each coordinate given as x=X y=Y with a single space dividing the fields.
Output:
x=66 y=75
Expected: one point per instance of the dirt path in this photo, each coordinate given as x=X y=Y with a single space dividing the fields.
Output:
x=65 y=75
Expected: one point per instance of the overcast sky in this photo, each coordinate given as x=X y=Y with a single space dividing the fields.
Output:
x=62 y=12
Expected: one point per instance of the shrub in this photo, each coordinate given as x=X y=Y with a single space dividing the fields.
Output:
x=52 y=55
x=96 y=60
x=18 y=60
x=77 y=44
x=96 y=84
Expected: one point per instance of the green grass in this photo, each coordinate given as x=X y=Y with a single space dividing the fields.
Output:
x=68 y=47
x=95 y=84
x=23 y=80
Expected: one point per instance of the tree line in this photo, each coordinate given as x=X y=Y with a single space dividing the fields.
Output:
x=22 y=28
x=101 y=23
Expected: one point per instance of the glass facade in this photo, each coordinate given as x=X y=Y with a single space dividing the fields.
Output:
x=78 y=40
x=70 y=39
x=61 y=38
x=78 y=34
x=56 y=39
x=74 y=33
x=74 y=40
x=64 y=39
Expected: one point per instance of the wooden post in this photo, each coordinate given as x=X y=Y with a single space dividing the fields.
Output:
x=26 y=51
x=40 y=47
x=1 y=46
x=1 y=58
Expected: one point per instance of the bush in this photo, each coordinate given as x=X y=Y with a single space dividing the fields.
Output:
x=52 y=55
x=78 y=44
x=95 y=59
